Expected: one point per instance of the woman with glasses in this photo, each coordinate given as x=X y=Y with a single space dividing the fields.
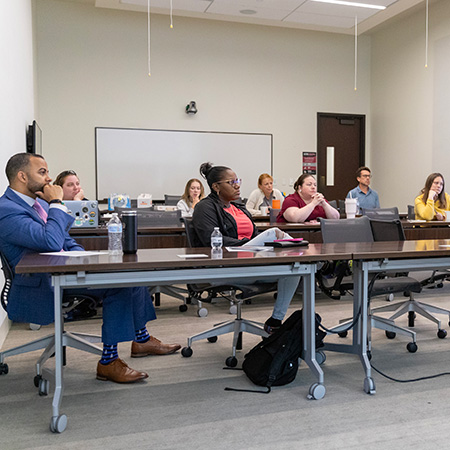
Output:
x=193 y=193
x=264 y=195
x=306 y=204
x=221 y=209
x=70 y=183
x=433 y=202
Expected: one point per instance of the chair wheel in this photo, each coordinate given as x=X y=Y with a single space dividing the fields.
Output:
x=390 y=334
x=4 y=368
x=186 y=352
x=389 y=297
x=233 y=310
x=411 y=347
x=183 y=308
x=212 y=339
x=320 y=357
x=440 y=285
x=231 y=361
x=202 y=312
x=343 y=334
x=58 y=424
x=44 y=387
x=37 y=380
x=441 y=334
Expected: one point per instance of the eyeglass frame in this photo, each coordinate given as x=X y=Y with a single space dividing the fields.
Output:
x=232 y=183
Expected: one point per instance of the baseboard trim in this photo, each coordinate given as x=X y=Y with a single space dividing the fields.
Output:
x=4 y=330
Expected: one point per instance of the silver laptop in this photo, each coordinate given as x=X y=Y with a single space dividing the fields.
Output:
x=85 y=213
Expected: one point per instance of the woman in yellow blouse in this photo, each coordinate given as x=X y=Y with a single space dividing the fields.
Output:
x=433 y=202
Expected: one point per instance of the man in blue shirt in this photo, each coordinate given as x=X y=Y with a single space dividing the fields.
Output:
x=367 y=198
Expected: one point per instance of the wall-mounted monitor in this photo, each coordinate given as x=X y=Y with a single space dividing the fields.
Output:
x=34 y=139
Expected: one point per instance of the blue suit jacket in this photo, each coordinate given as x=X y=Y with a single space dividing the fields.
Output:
x=22 y=231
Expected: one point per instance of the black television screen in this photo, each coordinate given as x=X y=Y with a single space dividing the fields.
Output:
x=34 y=139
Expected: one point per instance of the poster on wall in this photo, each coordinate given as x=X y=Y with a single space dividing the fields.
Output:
x=309 y=163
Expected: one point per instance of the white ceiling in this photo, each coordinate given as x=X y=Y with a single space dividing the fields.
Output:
x=306 y=14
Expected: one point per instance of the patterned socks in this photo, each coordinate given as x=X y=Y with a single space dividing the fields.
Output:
x=142 y=335
x=109 y=354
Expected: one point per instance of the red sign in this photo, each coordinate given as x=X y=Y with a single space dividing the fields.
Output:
x=310 y=163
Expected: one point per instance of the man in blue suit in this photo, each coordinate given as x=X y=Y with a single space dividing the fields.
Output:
x=33 y=219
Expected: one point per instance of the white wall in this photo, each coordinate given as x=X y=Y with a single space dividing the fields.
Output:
x=92 y=70
x=16 y=90
x=409 y=116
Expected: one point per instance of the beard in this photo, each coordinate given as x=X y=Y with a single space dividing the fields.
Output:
x=34 y=186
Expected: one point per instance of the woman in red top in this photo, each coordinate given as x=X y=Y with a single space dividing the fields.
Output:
x=306 y=204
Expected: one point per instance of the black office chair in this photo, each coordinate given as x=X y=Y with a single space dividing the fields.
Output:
x=333 y=203
x=147 y=217
x=359 y=230
x=171 y=200
x=381 y=213
x=437 y=277
x=81 y=341
x=393 y=231
x=237 y=294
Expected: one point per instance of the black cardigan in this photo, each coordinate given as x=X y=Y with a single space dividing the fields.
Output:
x=209 y=213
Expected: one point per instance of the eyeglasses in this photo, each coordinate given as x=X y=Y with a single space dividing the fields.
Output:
x=234 y=183
x=366 y=176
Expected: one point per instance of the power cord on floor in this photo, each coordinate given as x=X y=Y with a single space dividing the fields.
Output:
x=351 y=325
x=412 y=380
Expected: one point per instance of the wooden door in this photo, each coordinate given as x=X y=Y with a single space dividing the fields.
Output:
x=340 y=152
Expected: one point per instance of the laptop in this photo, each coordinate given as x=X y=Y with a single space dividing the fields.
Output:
x=85 y=213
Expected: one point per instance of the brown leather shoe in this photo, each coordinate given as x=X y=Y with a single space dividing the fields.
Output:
x=119 y=372
x=152 y=347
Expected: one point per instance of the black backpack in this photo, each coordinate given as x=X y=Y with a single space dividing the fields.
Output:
x=274 y=361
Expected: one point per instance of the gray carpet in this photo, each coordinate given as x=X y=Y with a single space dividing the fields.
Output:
x=183 y=404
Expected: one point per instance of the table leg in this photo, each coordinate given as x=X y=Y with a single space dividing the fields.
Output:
x=360 y=337
x=317 y=389
x=58 y=421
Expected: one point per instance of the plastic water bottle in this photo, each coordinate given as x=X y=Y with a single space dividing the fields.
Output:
x=216 y=239
x=115 y=235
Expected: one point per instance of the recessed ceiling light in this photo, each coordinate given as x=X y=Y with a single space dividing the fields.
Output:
x=249 y=12
x=344 y=3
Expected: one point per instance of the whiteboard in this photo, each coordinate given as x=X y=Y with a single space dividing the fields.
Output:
x=157 y=162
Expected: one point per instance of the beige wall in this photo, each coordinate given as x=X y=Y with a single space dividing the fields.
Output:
x=16 y=90
x=406 y=140
x=92 y=71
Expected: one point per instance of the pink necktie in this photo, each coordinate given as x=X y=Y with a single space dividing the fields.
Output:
x=40 y=210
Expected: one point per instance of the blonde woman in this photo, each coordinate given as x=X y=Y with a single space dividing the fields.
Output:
x=264 y=195
x=193 y=193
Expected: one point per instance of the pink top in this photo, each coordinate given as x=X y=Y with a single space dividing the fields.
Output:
x=294 y=200
x=243 y=222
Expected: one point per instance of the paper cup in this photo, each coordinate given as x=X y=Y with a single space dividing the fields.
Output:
x=264 y=210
